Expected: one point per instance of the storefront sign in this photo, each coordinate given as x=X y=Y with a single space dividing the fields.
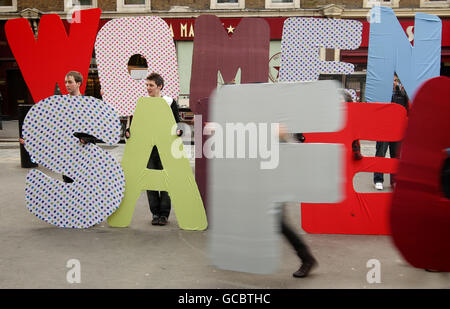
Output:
x=183 y=29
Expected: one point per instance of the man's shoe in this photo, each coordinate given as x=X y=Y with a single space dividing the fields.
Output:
x=356 y=150
x=379 y=186
x=432 y=270
x=305 y=269
x=155 y=220
x=163 y=220
x=357 y=156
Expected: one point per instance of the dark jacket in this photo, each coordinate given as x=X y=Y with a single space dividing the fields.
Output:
x=176 y=115
x=399 y=96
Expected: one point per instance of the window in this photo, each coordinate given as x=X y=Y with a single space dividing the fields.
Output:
x=389 y=3
x=79 y=4
x=8 y=5
x=434 y=3
x=227 y=4
x=133 y=5
x=281 y=4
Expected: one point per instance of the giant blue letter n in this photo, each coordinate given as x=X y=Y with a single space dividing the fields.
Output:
x=390 y=50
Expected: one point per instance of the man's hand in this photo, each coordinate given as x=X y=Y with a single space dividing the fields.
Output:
x=83 y=141
x=21 y=141
x=283 y=133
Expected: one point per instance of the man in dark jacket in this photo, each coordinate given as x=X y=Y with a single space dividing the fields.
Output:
x=398 y=96
x=308 y=262
x=73 y=81
x=159 y=201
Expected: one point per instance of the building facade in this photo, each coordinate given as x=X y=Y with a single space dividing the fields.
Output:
x=180 y=16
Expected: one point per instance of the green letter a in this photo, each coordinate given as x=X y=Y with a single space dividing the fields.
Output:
x=152 y=125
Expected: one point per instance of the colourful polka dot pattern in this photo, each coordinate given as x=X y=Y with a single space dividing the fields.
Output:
x=302 y=39
x=352 y=93
x=117 y=41
x=99 y=181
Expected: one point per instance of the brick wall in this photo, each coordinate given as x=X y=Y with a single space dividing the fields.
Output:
x=349 y=4
x=43 y=5
x=58 y=5
x=255 y=4
x=409 y=3
x=165 y=5
x=107 y=5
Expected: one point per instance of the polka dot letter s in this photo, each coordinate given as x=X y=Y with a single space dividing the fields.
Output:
x=99 y=182
x=121 y=38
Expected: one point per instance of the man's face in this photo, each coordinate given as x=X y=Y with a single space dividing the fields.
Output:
x=72 y=87
x=395 y=81
x=153 y=89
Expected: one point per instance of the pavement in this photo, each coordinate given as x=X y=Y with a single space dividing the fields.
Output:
x=35 y=254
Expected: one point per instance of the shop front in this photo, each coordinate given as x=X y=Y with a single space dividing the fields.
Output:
x=14 y=90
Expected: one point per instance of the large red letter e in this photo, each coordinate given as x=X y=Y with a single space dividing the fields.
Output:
x=420 y=213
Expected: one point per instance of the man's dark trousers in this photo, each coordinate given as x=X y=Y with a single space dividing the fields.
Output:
x=381 y=149
x=159 y=201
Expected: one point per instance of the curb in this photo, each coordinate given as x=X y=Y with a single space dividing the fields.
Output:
x=9 y=146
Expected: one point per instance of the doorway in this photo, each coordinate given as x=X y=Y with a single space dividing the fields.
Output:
x=18 y=93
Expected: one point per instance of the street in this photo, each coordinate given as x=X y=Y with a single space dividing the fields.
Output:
x=35 y=254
